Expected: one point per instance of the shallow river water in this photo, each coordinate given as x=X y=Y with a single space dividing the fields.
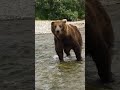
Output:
x=50 y=74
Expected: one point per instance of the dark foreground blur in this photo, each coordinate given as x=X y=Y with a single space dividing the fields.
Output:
x=92 y=82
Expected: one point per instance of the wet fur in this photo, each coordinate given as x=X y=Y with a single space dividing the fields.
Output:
x=70 y=38
x=99 y=38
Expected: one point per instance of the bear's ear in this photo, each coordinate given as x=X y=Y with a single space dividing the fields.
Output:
x=64 y=20
x=52 y=23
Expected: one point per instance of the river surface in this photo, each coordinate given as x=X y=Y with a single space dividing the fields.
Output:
x=50 y=74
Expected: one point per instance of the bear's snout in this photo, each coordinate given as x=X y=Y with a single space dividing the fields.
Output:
x=57 y=31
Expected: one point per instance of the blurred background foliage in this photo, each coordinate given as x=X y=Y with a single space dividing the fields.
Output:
x=58 y=9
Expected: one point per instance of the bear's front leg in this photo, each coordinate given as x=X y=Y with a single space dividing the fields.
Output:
x=104 y=69
x=60 y=54
x=101 y=54
x=103 y=64
x=59 y=49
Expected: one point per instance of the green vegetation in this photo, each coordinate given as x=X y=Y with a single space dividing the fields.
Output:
x=59 y=9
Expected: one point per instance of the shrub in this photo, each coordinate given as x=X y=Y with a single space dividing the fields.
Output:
x=59 y=9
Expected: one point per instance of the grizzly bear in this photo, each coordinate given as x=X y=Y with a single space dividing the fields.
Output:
x=99 y=38
x=66 y=37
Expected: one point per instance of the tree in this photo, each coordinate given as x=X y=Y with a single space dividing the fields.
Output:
x=59 y=9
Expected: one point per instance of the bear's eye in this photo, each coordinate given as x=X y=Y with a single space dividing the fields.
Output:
x=54 y=26
x=60 y=26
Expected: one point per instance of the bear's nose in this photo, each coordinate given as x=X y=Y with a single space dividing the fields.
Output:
x=57 y=31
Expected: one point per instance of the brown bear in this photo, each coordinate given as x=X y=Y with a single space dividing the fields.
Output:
x=99 y=38
x=66 y=37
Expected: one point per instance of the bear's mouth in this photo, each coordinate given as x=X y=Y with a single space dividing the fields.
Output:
x=58 y=35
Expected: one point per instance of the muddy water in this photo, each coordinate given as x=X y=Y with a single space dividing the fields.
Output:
x=50 y=74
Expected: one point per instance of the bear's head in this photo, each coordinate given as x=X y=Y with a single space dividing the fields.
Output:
x=58 y=28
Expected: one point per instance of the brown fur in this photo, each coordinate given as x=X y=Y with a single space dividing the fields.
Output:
x=69 y=38
x=99 y=38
